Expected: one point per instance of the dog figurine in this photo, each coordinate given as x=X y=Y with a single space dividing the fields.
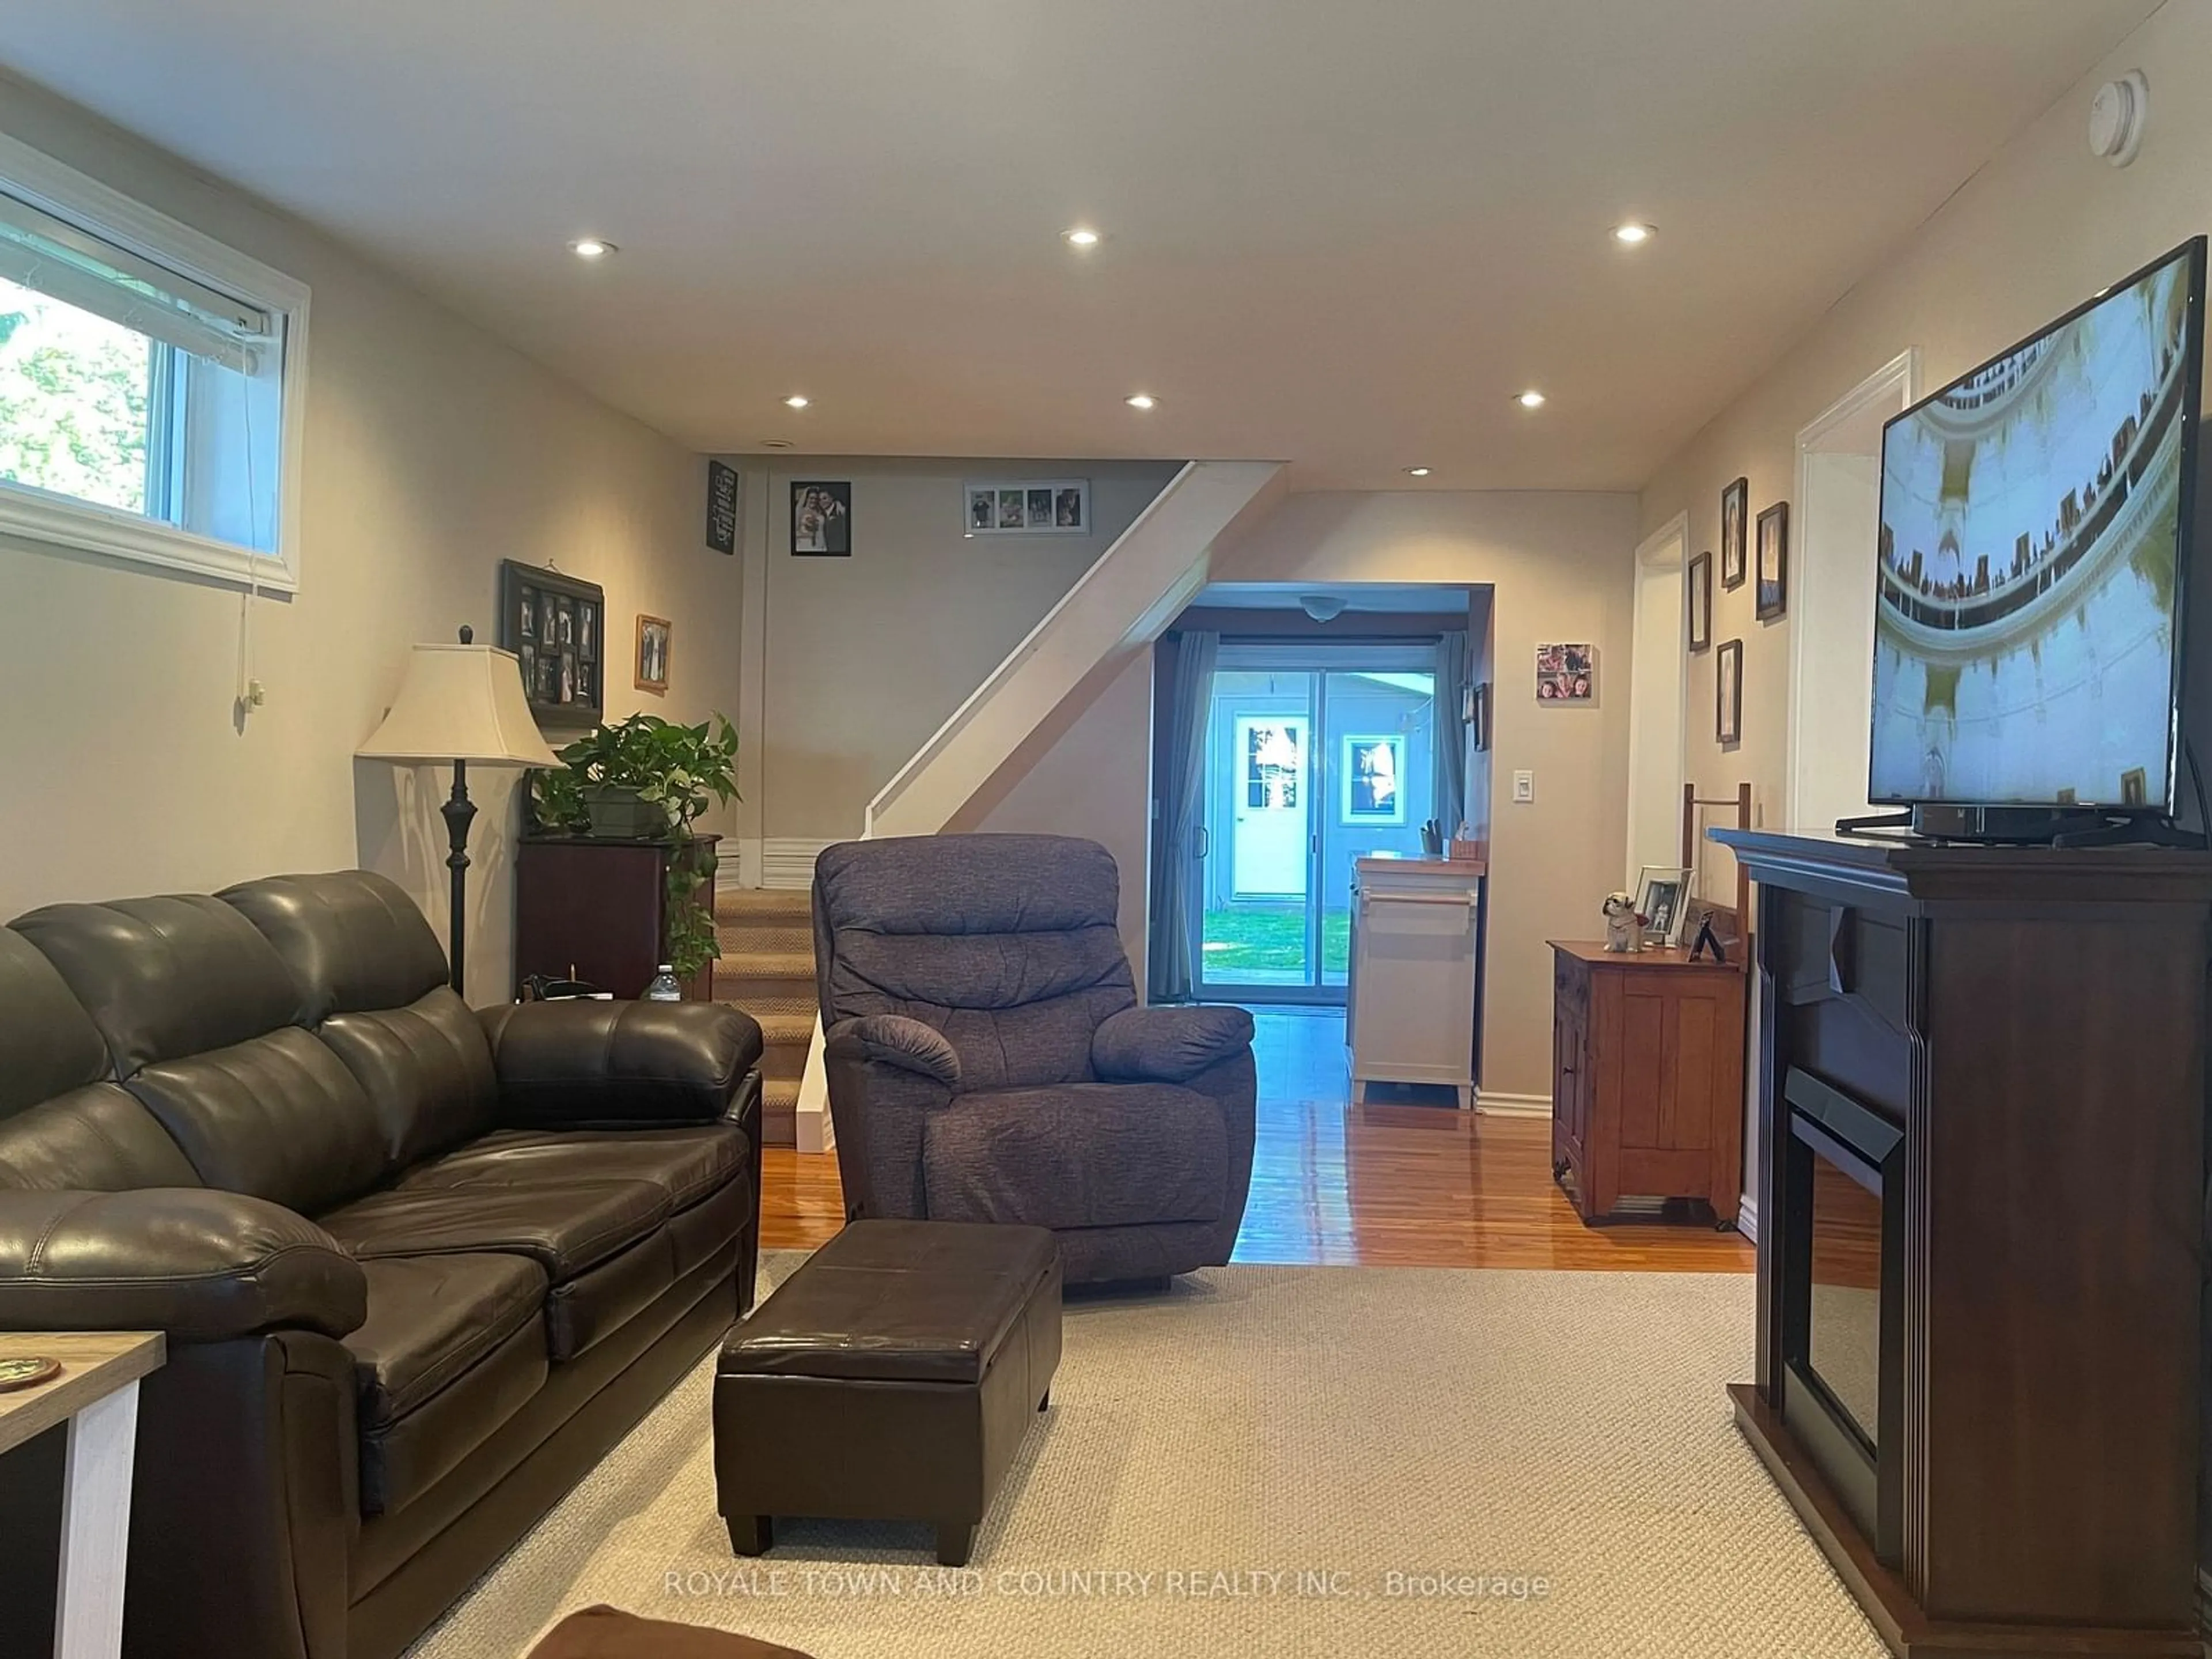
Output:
x=1624 y=925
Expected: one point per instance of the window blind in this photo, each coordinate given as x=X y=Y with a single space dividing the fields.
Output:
x=48 y=255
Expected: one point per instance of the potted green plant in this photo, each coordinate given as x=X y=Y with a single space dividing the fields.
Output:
x=648 y=779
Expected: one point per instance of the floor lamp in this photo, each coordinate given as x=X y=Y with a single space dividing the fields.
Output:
x=461 y=703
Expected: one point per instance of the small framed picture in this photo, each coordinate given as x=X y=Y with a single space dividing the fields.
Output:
x=1700 y=578
x=822 y=520
x=1566 y=673
x=526 y=617
x=1027 y=507
x=1374 y=773
x=1774 y=590
x=1735 y=523
x=1728 y=693
x=566 y=617
x=1661 y=893
x=553 y=623
x=1478 y=715
x=653 y=653
x=587 y=632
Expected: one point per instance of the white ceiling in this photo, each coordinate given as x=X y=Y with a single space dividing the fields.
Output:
x=1342 y=233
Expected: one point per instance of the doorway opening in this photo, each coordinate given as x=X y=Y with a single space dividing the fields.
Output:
x=1316 y=756
x=1658 y=704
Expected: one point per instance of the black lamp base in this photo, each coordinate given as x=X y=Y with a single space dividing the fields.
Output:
x=458 y=811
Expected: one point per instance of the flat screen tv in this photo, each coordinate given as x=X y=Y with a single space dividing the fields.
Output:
x=2035 y=533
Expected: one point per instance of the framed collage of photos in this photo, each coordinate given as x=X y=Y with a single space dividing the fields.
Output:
x=1029 y=506
x=556 y=626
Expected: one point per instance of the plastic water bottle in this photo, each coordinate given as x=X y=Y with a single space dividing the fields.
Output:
x=664 y=988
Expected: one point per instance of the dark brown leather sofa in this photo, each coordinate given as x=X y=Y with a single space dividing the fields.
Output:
x=419 y=1266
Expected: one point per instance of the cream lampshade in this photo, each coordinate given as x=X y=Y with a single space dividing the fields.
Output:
x=460 y=703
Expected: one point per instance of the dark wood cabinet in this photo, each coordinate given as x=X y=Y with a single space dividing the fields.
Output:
x=2014 y=1039
x=598 y=910
x=1647 y=1088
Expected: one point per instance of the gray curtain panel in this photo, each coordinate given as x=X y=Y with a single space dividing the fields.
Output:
x=1451 y=731
x=1177 y=905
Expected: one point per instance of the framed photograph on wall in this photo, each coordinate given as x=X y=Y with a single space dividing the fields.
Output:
x=1374 y=773
x=653 y=633
x=1728 y=693
x=822 y=520
x=1700 y=578
x=553 y=623
x=1478 y=714
x=1772 y=592
x=1028 y=507
x=1566 y=673
x=1735 y=525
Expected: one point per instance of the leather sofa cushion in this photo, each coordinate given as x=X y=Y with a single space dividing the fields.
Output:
x=1086 y=1155
x=426 y=1069
x=402 y=1460
x=278 y=1116
x=568 y=1227
x=95 y=1139
x=897 y=1301
x=48 y=1044
x=430 y=1319
x=594 y=1304
x=691 y=1163
x=354 y=940
x=166 y=977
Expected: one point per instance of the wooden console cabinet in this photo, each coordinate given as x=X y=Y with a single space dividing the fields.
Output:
x=1647 y=1086
x=598 y=910
x=2025 y=1029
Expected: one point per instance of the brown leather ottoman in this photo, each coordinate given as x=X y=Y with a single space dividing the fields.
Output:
x=891 y=1378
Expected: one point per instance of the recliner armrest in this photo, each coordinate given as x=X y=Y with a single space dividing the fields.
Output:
x=894 y=1040
x=1167 y=1045
x=619 y=1064
x=202 y=1265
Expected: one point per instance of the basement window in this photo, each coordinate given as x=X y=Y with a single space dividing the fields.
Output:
x=150 y=383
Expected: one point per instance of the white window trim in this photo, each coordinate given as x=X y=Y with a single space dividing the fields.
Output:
x=42 y=519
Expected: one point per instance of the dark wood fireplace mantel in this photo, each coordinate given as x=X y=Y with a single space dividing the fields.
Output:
x=2033 y=1021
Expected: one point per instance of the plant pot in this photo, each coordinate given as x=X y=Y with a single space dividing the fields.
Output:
x=618 y=814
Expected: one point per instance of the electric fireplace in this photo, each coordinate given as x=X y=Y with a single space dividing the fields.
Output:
x=1842 y=1265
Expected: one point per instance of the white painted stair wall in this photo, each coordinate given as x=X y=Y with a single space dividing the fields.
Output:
x=1116 y=608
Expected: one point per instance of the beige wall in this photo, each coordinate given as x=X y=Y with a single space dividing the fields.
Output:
x=2039 y=230
x=865 y=657
x=431 y=454
x=1097 y=782
x=1557 y=566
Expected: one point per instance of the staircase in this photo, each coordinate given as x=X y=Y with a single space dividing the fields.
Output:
x=767 y=970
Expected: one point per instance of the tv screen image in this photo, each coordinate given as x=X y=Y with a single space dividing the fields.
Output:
x=2028 y=606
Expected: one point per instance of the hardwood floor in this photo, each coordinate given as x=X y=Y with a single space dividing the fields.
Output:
x=1381 y=1185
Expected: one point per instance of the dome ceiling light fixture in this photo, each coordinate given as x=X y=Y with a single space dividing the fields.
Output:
x=1322 y=607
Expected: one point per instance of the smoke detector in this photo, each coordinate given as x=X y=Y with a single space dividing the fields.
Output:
x=2117 y=115
x=1322 y=607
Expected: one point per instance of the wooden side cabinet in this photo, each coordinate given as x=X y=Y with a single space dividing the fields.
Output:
x=598 y=910
x=1647 y=1086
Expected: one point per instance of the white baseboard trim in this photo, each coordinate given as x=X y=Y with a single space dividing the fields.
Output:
x=787 y=861
x=1500 y=1104
x=1747 y=1217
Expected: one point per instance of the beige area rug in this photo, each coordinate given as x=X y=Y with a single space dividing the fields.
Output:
x=1388 y=1462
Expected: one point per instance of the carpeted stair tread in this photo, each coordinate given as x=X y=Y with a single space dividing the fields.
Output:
x=785 y=1030
x=761 y=964
x=765 y=902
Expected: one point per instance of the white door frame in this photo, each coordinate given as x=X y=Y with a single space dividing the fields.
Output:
x=1896 y=387
x=1666 y=548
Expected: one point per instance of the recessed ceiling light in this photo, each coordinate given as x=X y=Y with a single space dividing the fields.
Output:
x=1417 y=472
x=776 y=443
x=1081 y=236
x=797 y=400
x=591 y=247
x=1530 y=399
x=1631 y=234
x=1141 y=400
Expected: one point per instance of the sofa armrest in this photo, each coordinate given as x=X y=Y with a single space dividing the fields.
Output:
x=589 y=1064
x=202 y=1265
x=1167 y=1045
x=894 y=1040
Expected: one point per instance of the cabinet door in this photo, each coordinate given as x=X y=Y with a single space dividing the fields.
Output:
x=1571 y=1079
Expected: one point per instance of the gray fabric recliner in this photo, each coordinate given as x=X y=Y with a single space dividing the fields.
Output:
x=988 y=1061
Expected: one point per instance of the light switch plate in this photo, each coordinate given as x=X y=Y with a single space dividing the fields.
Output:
x=1524 y=786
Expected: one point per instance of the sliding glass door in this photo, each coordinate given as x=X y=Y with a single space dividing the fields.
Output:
x=1315 y=758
